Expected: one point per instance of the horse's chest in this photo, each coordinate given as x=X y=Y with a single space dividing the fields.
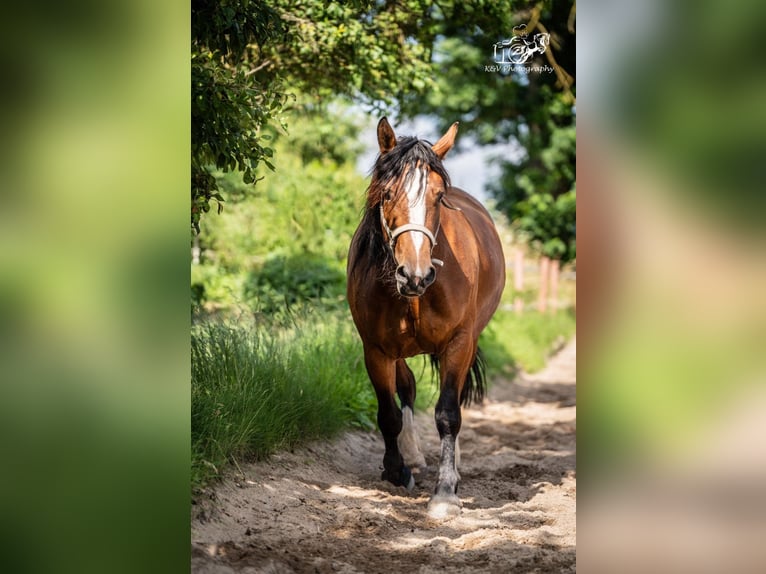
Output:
x=417 y=330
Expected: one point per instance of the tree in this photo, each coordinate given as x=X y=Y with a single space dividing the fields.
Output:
x=535 y=109
x=229 y=105
x=248 y=59
x=285 y=241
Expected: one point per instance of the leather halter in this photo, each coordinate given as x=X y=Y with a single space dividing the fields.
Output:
x=394 y=234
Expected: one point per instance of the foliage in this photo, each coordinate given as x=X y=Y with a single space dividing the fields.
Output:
x=260 y=387
x=286 y=281
x=285 y=242
x=229 y=105
x=534 y=109
x=248 y=58
x=372 y=51
x=548 y=222
x=535 y=193
x=245 y=53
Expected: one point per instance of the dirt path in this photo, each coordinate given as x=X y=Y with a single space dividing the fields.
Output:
x=325 y=509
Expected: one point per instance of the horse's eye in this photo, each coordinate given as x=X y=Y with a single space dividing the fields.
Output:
x=387 y=195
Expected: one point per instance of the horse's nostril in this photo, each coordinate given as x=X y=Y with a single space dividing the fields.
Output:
x=401 y=273
x=430 y=276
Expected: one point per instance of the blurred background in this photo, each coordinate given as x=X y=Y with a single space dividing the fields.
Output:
x=94 y=399
x=672 y=276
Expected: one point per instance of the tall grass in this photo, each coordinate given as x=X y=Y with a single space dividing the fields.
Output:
x=514 y=341
x=260 y=387
x=256 y=390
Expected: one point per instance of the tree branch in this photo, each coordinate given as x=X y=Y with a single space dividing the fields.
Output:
x=258 y=68
x=565 y=79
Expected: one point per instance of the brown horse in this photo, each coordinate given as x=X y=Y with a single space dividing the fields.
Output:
x=425 y=274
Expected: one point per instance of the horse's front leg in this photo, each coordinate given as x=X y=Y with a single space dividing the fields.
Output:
x=455 y=363
x=382 y=372
x=409 y=443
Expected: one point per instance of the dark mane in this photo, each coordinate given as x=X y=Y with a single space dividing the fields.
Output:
x=409 y=151
x=373 y=251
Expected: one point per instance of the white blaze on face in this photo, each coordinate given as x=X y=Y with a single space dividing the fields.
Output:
x=417 y=204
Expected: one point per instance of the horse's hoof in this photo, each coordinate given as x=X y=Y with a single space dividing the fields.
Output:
x=443 y=506
x=405 y=478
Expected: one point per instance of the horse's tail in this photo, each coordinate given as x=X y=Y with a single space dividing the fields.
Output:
x=475 y=386
x=476 y=381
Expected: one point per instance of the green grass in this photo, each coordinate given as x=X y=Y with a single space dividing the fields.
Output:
x=262 y=387
x=515 y=341
x=258 y=389
x=510 y=342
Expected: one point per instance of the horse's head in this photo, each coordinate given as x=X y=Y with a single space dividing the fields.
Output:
x=409 y=186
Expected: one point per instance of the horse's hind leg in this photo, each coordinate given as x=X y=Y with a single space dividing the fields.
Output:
x=408 y=441
x=382 y=372
x=454 y=369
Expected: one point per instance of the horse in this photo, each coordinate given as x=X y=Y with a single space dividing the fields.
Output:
x=425 y=274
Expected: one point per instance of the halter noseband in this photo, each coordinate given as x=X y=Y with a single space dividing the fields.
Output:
x=394 y=234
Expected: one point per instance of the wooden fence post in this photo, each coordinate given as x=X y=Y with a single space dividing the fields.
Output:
x=542 y=300
x=554 y=283
x=518 y=280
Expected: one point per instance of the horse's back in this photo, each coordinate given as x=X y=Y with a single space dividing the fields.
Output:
x=491 y=276
x=470 y=206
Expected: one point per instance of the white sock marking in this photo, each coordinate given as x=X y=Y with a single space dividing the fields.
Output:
x=408 y=441
x=457 y=456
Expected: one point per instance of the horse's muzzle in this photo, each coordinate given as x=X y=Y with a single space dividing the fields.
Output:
x=411 y=284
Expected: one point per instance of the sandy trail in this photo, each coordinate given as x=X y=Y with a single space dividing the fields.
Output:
x=324 y=508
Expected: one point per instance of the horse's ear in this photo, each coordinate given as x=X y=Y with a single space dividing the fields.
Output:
x=386 y=136
x=446 y=142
